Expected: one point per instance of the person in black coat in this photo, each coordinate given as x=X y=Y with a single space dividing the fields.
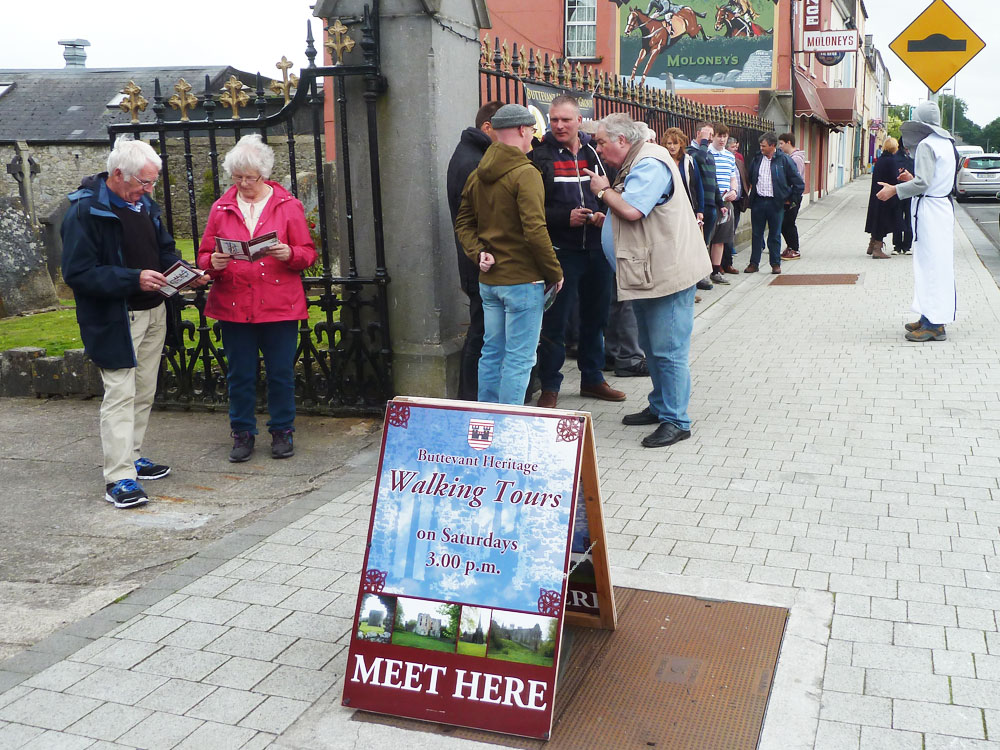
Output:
x=884 y=217
x=903 y=239
x=471 y=147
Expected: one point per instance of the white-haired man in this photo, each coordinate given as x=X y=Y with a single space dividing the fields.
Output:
x=115 y=249
x=658 y=251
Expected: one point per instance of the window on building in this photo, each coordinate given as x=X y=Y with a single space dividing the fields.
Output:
x=581 y=28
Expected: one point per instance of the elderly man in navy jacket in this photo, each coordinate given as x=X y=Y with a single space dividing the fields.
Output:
x=115 y=249
x=774 y=181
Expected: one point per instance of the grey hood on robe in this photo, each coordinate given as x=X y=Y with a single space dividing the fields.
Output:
x=926 y=120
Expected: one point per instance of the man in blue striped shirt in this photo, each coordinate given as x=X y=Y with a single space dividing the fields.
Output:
x=727 y=181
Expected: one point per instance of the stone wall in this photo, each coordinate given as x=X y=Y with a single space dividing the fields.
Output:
x=63 y=166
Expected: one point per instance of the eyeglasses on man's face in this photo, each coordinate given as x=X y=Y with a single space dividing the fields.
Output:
x=146 y=184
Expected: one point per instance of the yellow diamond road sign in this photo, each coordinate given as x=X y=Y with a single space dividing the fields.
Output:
x=937 y=45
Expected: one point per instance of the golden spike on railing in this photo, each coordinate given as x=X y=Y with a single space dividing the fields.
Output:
x=288 y=82
x=338 y=42
x=522 y=61
x=183 y=99
x=505 y=56
x=134 y=102
x=234 y=96
x=484 y=52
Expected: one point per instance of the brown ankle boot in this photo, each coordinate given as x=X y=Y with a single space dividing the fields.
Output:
x=877 y=253
x=872 y=244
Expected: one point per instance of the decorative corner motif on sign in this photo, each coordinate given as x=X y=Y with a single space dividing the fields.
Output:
x=548 y=602
x=374 y=581
x=569 y=429
x=398 y=415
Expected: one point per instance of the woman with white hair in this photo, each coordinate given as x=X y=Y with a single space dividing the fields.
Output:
x=258 y=302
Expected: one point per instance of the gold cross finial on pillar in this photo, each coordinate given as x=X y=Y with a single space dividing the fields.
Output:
x=288 y=81
x=339 y=42
x=183 y=99
x=134 y=102
x=234 y=96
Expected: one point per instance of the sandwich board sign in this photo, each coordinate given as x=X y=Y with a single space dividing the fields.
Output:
x=936 y=45
x=465 y=584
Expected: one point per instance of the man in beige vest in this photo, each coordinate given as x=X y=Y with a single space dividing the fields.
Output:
x=656 y=247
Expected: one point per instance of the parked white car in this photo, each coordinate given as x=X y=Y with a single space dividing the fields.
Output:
x=979 y=176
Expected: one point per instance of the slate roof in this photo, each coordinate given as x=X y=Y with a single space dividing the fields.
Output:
x=69 y=105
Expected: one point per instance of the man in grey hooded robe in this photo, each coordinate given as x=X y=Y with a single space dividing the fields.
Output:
x=933 y=218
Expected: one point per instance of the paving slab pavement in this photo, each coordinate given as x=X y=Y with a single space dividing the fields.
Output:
x=65 y=552
x=834 y=469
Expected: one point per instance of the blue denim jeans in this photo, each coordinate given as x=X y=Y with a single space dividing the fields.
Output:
x=665 y=325
x=277 y=342
x=512 y=317
x=588 y=277
x=769 y=212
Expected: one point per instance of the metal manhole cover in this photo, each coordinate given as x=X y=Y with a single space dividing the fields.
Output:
x=680 y=673
x=815 y=279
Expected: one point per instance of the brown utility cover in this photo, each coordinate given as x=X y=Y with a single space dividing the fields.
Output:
x=815 y=279
x=679 y=673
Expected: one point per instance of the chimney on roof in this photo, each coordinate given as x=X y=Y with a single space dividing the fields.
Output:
x=74 y=52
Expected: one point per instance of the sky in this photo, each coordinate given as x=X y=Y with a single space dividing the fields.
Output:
x=252 y=35
x=976 y=82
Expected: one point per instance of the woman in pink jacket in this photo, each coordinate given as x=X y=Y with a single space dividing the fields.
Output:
x=259 y=302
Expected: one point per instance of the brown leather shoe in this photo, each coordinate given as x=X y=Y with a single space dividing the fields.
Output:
x=877 y=252
x=602 y=391
x=752 y=268
x=548 y=400
x=729 y=269
x=775 y=269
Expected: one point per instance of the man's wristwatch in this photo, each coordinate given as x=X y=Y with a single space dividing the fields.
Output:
x=600 y=194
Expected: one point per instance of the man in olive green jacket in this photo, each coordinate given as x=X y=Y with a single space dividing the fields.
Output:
x=501 y=225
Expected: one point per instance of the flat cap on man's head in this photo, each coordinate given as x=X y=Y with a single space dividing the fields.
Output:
x=511 y=116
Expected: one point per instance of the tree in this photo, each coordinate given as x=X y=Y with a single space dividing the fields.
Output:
x=898 y=114
x=400 y=617
x=452 y=614
x=991 y=136
x=964 y=128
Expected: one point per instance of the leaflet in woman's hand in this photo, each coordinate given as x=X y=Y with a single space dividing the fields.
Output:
x=247 y=249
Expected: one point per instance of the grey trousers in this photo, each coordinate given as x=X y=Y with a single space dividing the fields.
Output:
x=621 y=337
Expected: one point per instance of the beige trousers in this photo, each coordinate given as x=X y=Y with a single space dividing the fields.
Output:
x=128 y=395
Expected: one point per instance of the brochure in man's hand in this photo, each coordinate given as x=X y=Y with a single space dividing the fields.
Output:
x=179 y=276
x=247 y=250
x=550 y=296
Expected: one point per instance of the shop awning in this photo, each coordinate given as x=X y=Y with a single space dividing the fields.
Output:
x=839 y=105
x=807 y=101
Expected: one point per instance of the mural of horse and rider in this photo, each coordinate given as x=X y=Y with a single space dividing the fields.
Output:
x=703 y=44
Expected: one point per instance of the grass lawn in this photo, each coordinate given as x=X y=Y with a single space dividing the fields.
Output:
x=404 y=638
x=472 y=649
x=57 y=330
x=366 y=628
x=511 y=651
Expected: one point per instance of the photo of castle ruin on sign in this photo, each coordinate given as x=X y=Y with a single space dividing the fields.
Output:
x=426 y=624
x=528 y=639
x=375 y=618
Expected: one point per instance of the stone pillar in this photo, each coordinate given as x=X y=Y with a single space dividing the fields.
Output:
x=430 y=60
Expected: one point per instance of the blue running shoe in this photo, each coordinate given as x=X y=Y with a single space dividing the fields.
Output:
x=146 y=469
x=125 y=493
